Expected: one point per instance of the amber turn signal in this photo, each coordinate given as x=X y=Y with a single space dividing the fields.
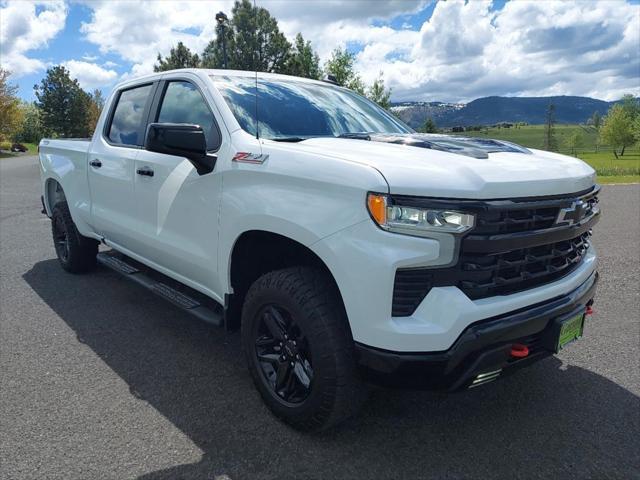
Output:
x=377 y=205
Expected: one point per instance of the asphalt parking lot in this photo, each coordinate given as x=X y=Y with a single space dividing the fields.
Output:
x=101 y=380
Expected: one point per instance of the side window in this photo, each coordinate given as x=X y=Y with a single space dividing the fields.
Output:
x=125 y=128
x=183 y=103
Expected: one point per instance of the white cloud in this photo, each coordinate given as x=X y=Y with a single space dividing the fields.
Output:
x=465 y=50
x=90 y=75
x=116 y=27
x=138 y=31
x=334 y=23
x=528 y=48
x=24 y=28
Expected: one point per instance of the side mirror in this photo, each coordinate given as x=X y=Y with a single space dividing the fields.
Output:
x=182 y=140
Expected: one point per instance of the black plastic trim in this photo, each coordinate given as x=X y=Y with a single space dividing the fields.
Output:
x=481 y=346
x=513 y=241
x=488 y=204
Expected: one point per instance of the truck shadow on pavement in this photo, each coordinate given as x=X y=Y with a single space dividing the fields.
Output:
x=544 y=422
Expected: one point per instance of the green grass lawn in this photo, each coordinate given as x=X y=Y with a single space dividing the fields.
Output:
x=533 y=135
x=625 y=169
x=619 y=179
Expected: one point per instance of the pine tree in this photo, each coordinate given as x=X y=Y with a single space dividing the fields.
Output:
x=378 y=93
x=429 y=126
x=213 y=54
x=303 y=61
x=62 y=103
x=253 y=41
x=179 y=57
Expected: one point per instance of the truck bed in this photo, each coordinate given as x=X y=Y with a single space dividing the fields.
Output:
x=66 y=144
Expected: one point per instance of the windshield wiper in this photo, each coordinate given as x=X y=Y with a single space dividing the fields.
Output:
x=288 y=139
x=355 y=135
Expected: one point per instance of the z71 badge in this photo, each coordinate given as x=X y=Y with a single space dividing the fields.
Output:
x=246 y=157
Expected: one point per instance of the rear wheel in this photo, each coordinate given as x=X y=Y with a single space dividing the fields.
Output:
x=299 y=348
x=77 y=254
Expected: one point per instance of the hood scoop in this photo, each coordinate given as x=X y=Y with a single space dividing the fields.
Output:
x=467 y=146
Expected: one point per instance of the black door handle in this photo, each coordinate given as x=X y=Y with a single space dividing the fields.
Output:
x=145 y=171
x=95 y=163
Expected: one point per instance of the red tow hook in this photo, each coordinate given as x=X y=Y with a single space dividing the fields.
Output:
x=519 y=350
x=588 y=310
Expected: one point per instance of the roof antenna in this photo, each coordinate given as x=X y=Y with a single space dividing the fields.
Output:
x=255 y=65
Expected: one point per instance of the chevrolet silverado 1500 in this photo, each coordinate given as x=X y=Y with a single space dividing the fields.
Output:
x=347 y=248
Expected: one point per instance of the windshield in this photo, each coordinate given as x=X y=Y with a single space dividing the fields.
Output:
x=293 y=109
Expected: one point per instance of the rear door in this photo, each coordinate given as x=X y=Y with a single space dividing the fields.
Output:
x=112 y=164
x=177 y=209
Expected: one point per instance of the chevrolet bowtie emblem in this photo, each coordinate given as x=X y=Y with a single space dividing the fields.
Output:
x=572 y=214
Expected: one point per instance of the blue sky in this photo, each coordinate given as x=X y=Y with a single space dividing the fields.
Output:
x=427 y=50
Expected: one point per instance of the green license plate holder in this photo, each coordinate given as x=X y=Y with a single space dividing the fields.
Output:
x=569 y=330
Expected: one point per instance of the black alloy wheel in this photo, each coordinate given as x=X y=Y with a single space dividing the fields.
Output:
x=283 y=356
x=61 y=238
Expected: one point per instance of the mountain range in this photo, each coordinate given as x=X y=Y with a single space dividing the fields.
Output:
x=493 y=110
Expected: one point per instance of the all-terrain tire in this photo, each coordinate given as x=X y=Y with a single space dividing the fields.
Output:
x=77 y=254
x=309 y=299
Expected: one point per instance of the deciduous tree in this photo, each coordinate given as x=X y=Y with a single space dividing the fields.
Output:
x=573 y=141
x=31 y=129
x=636 y=128
x=617 y=129
x=94 y=109
x=631 y=106
x=340 y=65
x=10 y=112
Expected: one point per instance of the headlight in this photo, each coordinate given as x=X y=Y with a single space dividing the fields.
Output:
x=415 y=220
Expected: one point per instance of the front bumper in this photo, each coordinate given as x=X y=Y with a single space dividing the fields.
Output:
x=483 y=348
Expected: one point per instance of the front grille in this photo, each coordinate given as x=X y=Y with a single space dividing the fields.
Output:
x=481 y=276
x=518 y=217
x=510 y=221
x=498 y=256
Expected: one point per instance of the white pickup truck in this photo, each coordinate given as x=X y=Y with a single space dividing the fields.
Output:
x=349 y=249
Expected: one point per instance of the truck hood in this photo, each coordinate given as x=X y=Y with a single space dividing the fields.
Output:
x=453 y=167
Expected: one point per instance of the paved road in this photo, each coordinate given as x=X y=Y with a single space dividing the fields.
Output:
x=100 y=379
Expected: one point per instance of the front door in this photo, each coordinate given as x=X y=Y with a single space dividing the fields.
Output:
x=112 y=164
x=177 y=209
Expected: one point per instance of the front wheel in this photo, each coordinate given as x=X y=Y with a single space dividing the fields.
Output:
x=299 y=349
